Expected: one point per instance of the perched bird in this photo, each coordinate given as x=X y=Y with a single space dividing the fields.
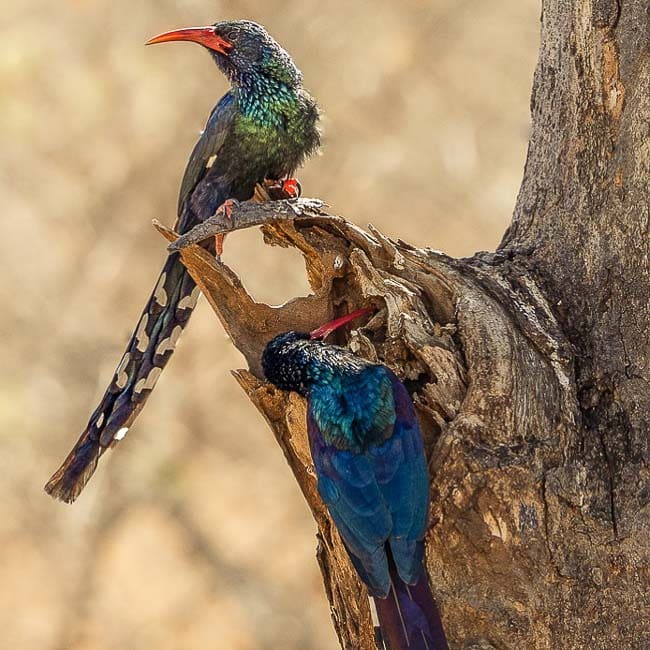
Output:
x=372 y=474
x=261 y=130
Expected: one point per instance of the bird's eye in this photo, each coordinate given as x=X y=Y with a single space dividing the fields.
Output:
x=232 y=36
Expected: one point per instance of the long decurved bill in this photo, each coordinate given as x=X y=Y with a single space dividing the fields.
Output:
x=202 y=35
x=325 y=330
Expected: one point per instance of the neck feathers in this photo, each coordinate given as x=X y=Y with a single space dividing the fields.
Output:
x=264 y=99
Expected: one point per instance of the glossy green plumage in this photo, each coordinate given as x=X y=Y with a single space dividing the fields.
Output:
x=273 y=126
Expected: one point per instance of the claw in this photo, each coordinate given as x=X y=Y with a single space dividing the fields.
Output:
x=227 y=207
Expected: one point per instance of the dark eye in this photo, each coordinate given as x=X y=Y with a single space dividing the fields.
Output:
x=232 y=35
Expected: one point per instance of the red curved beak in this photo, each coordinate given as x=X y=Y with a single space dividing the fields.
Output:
x=202 y=35
x=325 y=330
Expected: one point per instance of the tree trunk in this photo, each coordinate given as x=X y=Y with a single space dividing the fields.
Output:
x=529 y=366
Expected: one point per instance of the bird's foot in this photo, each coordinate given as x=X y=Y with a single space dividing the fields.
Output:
x=289 y=188
x=225 y=210
x=292 y=187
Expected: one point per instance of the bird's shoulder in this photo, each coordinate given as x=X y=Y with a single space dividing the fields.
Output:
x=354 y=407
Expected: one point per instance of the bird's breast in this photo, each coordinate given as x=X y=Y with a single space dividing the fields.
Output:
x=253 y=152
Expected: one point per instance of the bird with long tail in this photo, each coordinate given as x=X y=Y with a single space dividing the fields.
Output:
x=260 y=131
x=372 y=472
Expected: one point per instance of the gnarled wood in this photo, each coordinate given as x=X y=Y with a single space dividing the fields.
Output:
x=529 y=367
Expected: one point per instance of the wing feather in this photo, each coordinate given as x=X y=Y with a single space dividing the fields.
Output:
x=347 y=485
x=408 y=492
x=207 y=147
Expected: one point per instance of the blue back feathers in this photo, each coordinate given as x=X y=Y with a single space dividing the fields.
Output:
x=367 y=450
x=352 y=409
x=378 y=497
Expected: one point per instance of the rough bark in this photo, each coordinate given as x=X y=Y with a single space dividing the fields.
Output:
x=529 y=366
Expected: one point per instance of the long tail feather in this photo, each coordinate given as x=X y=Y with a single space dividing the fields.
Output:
x=151 y=346
x=409 y=618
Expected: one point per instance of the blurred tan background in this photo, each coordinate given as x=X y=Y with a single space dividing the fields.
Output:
x=192 y=534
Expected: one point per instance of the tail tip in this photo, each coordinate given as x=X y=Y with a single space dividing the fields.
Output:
x=62 y=488
x=67 y=483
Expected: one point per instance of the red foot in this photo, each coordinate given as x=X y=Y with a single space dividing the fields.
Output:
x=291 y=187
x=224 y=209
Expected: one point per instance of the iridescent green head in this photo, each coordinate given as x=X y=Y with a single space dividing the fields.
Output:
x=241 y=48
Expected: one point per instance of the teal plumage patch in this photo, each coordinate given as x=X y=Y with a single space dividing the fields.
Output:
x=353 y=410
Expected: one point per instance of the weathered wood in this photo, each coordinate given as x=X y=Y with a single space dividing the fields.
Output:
x=584 y=206
x=529 y=367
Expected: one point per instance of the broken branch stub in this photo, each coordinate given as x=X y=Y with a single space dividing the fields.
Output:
x=481 y=355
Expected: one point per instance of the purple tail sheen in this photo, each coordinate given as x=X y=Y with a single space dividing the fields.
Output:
x=409 y=618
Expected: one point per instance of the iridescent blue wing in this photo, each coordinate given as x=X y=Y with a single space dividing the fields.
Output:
x=406 y=492
x=207 y=147
x=347 y=485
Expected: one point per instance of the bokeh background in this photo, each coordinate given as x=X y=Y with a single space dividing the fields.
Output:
x=192 y=534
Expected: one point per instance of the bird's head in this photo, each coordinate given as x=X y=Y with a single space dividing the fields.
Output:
x=292 y=361
x=240 y=48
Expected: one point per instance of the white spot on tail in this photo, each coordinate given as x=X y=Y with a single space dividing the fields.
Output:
x=141 y=334
x=120 y=375
x=149 y=382
x=189 y=302
x=100 y=420
x=169 y=343
x=210 y=162
x=159 y=293
x=121 y=433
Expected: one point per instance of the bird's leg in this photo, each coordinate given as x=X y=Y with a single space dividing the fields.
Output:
x=225 y=209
